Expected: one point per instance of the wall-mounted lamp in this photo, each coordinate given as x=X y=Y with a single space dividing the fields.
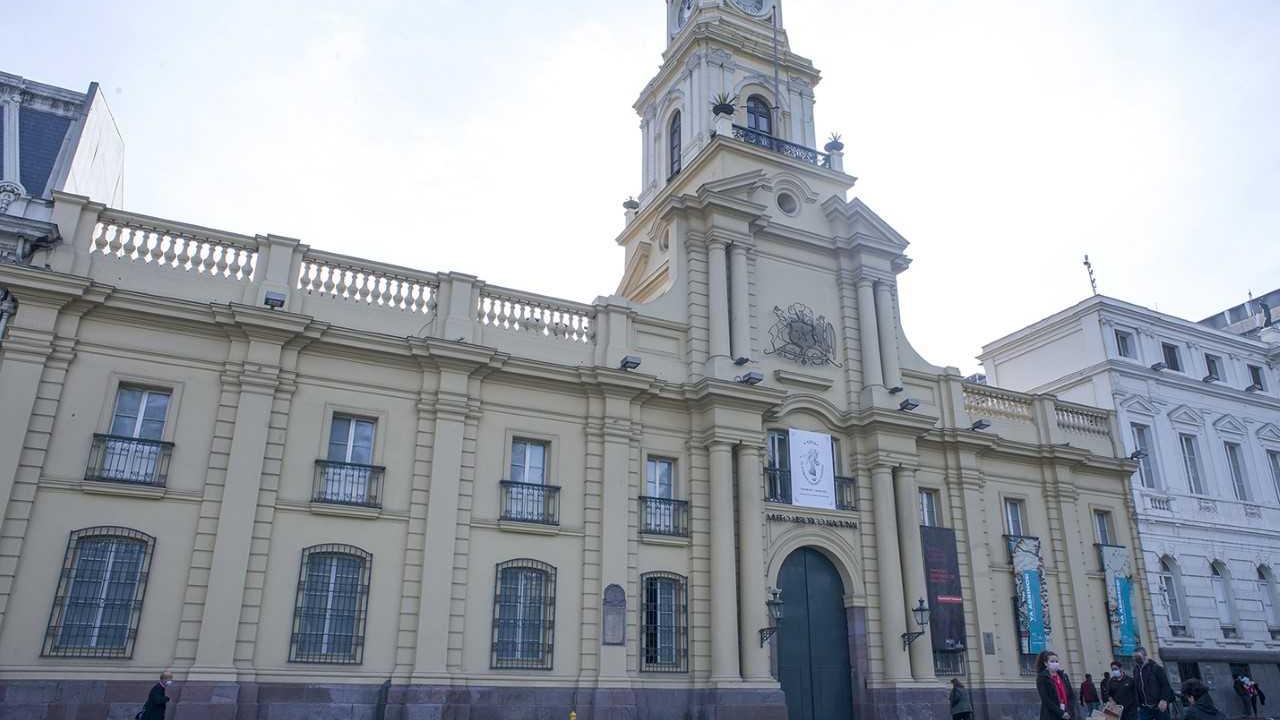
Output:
x=908 y=405
x=895 y=389
x=1253 y=388
x=741 y=361
x=980 y=425
x=774 y=603
x=755 y=377
x=921 y=613
x=1159 y=366
x=274 y=300
x=1211 y=378
x=1138 y=455
x=630 y=362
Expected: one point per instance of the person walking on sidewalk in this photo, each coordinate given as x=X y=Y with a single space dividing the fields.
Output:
x=1152 y=683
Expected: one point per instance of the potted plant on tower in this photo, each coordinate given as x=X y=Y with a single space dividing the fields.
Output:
x=724 y=104
x=834 y=144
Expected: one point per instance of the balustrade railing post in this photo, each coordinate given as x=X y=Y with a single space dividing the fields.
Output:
x=76 y=217
x=837 y=160
x=456 y=308
x=1044 y=412
x=612 y=330
x=276 y=260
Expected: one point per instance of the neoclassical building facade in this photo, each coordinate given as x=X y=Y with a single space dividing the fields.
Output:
x=1202 y=405
x=318 y=484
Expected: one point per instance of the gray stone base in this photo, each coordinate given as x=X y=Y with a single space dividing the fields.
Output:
x=1021 y=703
x=76 y=699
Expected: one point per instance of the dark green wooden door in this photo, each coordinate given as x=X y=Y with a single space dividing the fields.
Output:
x=813 y=639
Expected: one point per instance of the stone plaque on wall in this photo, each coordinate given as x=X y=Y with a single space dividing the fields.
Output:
x=614 y=625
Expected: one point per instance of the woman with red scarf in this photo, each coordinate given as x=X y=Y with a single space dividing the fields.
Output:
x=1057 y=699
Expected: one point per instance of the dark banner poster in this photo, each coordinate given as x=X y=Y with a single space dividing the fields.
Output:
x=942 y=578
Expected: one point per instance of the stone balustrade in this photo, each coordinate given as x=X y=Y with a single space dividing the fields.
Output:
x=361 y=281
x=993 y=402
x=536 y=315
x=1083 y=419
x=133 y=238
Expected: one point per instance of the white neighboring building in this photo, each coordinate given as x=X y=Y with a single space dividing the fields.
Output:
x=1202 y=400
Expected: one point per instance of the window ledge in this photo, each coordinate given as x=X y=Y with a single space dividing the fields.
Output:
x=147 y=492
x=349 y=511
x=527 y=527
x=667 y=540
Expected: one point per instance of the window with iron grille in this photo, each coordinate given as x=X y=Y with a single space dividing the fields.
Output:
x=664 y=618
x=524 y=613
x=133 y=451
x=332 y=605
x=99 y=599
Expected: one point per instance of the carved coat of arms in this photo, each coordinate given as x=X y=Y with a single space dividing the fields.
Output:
x=801 y=337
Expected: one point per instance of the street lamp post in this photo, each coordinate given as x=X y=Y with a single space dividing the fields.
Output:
x=921 y=613
x=774 y=603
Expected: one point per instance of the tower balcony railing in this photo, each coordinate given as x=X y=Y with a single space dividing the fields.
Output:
x=782 y=147
x=777 y=489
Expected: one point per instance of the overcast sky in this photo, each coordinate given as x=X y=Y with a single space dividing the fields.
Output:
x=496 y=137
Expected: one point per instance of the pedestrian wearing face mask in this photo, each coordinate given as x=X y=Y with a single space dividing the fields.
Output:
x=1154 y=693
x=1057 y=697
x=1119 y=688
x=157 y=699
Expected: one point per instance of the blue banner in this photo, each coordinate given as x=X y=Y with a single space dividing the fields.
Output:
x=1119 y=573
x=1031 y=604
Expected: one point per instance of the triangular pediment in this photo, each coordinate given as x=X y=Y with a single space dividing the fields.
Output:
x=1186 y=415
x=1269 y=433
x=1138 y=405
x=1230 y=425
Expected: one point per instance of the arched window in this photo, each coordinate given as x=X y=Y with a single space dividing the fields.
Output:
x=99 y=599
x=759 y=115
x=674 y=145
x=332 y=605
x=664 y=618
x=1171 y=592
x=524 y=614
x=1270 y=603
x=1220 y=578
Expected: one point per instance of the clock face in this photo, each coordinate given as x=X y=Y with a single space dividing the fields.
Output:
x=754 y=7
x=686 y=9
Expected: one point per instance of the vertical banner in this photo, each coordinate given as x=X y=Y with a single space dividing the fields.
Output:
x=942 y=579
x=813 y=479
x=1032 y=596
x=1119 y=574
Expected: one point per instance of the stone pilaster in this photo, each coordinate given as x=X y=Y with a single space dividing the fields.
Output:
x=872 y=372
x=887 y=325
x=739 y=302
x=724 y=609
x=751 y=579
x=912 y=555
x=717 y=304
x=897 y=666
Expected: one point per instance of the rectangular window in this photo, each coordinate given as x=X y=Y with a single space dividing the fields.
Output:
x=1213 y=364
x=1172 y=358
x=929 y=508
x=777 y=476
x=332 y=604
x=1189 y=671
x=1014 y=517
x=99 y=597
x=133 y=450
x=663 y=616
x=1274 y=457
x=1222 y=598
x=1256 y=377
x=529 y=461
x=1235 y=464
x=524 y=615
x=1191 y=463
x=1125 y=345
x=347 y=475
x=660 y=476
x=1142 y=440
x=1103 y=527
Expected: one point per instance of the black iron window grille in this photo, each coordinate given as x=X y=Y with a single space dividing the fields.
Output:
x=664 y=516
x=332 y=605
x=846 y=493
x=99 y=600
x=777 y=485
x=782 y=147
x=664 y=617
x=524 y=615
x=138 y=461
x=530 y=502
x=948 y=664
x=343 y=483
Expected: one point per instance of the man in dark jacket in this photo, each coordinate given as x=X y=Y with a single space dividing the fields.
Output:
x=157 y=698
x=1152 y=683
x=1201 y=707
x=1119 y=687
x=1089 y=695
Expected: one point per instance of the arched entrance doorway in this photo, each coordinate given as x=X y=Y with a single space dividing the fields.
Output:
x=813 y=639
